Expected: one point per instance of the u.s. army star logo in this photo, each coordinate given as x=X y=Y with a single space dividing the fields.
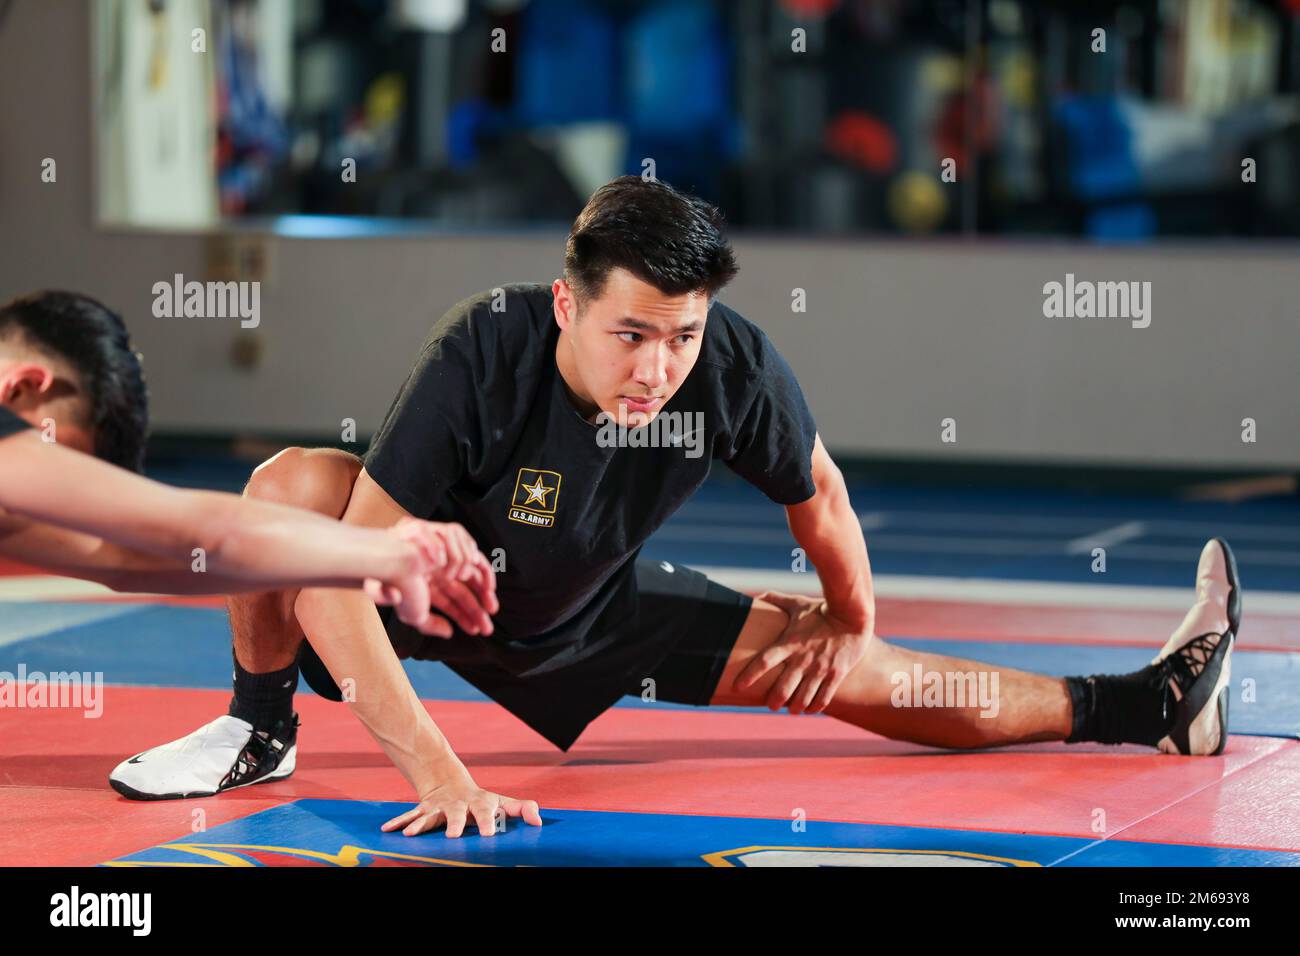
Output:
x=536 y=494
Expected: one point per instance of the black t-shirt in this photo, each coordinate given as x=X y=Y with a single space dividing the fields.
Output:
x=10 y=423
x=484 y=433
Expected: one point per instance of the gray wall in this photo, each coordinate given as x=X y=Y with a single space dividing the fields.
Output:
x=897 y=336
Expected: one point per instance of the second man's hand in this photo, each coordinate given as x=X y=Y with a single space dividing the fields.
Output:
x=451 y=574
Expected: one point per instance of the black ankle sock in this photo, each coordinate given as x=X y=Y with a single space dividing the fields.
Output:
x=1132 y=708
x=264 y=699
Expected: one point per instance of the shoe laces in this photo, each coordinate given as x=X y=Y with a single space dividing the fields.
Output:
x=1185 y=665
x=261 y=744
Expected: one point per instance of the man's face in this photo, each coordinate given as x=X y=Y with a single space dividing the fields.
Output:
x=633 y=346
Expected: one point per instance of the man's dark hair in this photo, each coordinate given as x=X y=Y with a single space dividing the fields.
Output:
x=671 y=240
x=92 y=339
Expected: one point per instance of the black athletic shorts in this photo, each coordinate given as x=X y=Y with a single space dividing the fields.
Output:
x=680 y=633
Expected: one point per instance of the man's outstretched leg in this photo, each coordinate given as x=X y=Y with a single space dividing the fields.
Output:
x=1178 y=703
x=256 y=741
x=1029 y=706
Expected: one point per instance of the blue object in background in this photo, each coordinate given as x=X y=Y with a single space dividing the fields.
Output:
x=1102 y=165
x=1127 y=222
x=1101 y=160
x=679 y=101
x=567 y=71
x=677 y=71
x=466 y=123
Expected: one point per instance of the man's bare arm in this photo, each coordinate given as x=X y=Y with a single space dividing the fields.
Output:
x=73 y=513
x=823 y=640
x=93 y=559
x=828 y=530
x=345 y=630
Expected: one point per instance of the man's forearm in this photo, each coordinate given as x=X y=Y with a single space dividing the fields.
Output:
x=231 y=545
x=117 y=519
x=280 y=545
x=93 y=559
x=345 y=631
x=830 y=534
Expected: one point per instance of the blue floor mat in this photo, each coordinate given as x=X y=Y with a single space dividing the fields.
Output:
x=346 y=832
x=190 y=647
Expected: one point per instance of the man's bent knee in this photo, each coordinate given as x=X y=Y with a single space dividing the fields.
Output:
x=318 y=479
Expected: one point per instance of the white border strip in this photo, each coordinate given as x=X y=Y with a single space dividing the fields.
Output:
x=995 y=591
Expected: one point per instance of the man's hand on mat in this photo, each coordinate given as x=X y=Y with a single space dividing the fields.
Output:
x=817 y=649
x=457 y=802
x=454 y=576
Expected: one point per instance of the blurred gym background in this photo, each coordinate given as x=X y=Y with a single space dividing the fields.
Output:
x=477 y=128
x=839 y=130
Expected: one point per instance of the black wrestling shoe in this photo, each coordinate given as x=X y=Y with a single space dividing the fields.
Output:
x=1197 y=659
x=222 y=755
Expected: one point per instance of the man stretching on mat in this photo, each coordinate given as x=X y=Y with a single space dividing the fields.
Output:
x=503 y=427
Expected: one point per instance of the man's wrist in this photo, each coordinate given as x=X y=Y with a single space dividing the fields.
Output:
x=439 y=771
x=435 y=761
x=401 y=559
x=861 y=618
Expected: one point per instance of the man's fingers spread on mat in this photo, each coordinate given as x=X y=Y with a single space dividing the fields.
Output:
x=528 y=809
x=426 y=821
x=485 y=815
x=403 y=819
x=455 y=818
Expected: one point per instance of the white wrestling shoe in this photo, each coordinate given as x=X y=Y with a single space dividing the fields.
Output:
x=1198 y=657
x=221 y=755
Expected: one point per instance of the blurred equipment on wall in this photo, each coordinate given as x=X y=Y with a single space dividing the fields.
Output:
x=1113 y=120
